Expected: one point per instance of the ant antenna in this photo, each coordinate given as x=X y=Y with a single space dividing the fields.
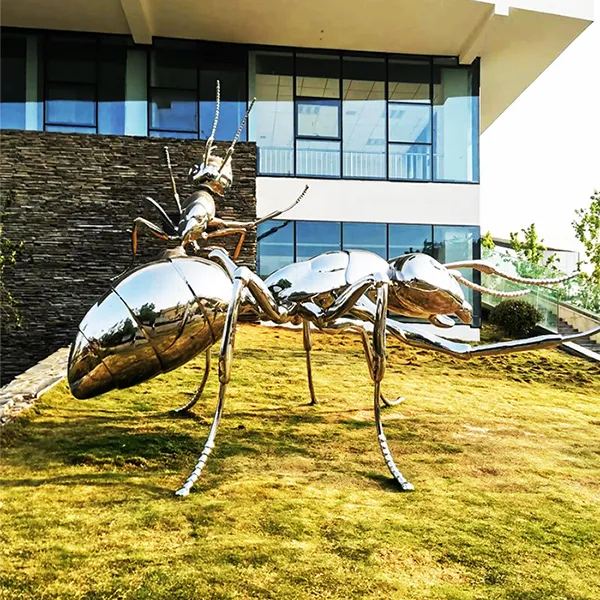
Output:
x=213 y=131
x=229 y=152
x=276 y=213
x=175 y=194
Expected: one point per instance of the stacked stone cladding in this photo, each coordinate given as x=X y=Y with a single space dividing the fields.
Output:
x=73 y=198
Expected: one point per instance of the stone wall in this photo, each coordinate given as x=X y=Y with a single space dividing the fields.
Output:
x=73 y=199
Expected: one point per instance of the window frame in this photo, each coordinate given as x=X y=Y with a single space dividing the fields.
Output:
x=387 y=57
x=241 y=60
x=46 y=39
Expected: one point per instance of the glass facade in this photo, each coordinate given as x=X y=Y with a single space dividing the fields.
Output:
x=283 y=242
x=318 y=113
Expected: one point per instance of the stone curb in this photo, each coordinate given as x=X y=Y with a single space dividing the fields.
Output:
x=22 y=392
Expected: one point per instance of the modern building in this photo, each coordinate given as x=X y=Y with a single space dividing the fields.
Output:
x=379 y=106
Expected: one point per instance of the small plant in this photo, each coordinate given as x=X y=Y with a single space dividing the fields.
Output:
x=487 y=241
x=516 y=318
x=9 y=253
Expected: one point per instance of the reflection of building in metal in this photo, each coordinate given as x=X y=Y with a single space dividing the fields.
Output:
x=380 y=109
x=122 y=342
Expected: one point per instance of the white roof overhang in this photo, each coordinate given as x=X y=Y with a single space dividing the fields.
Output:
x=516 y=39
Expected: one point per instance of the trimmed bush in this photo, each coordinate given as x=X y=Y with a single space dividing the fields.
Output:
x=516 y=318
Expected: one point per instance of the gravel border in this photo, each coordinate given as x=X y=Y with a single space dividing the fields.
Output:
x=22 y=392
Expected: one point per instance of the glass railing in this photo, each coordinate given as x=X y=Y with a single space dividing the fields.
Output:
x=546 y=300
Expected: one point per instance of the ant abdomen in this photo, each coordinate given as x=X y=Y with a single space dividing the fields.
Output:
x=154 y=319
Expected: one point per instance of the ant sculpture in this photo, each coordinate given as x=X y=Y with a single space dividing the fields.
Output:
x=195 y=302
x=158 y=316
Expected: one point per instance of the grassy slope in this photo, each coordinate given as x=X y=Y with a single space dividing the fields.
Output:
x=296 y=501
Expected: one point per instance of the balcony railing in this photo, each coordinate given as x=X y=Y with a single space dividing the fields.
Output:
x=326 y=163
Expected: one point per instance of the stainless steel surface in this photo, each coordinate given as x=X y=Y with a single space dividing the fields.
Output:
x=152 y=320
x=159 y=316
x=198 y=394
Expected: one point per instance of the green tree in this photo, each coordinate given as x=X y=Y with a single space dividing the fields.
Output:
x=532 y=247
x=587 y=231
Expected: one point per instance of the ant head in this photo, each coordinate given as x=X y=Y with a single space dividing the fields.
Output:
x=422 y=287
x=212 y=173
x=216 y=172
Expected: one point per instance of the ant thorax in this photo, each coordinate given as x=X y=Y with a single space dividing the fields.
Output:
x=199 y=210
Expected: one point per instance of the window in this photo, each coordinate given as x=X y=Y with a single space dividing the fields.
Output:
x=393 y=117
x=406 y=239
x=318 y=113
x=232 y=105
x=454 y=243
x=271 y=123
x=174 y=89
x=13 y=74
x=365 y=236
x=112 y=87
x=409 y=119
x=276 y=242
x=456 y=122
x=226 y=63
x=316 y=237
x=364 y=127
x=318 y=127
x=71 y=76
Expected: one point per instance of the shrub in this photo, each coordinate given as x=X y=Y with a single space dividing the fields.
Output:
x=516 y=318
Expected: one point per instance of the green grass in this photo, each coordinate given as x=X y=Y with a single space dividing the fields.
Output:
x=296 y=500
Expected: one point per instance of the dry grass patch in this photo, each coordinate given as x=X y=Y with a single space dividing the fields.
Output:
x=296 y=501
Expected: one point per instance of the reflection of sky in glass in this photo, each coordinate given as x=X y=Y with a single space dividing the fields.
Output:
x=314 y=237
x=276 y=242
x=174 y=109
x=405 y=239
x=231 y=114
x=365 y=236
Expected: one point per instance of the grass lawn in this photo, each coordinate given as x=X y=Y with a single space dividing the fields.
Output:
x=296 y=500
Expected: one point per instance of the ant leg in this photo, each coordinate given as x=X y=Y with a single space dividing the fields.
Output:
x=359 y=326
x=370 y=362
x=155 y=229
x=411 y=335
x=199 y=391
x=226 y=354
x=342 y=304
x=230 y=231
x=243 y=278
x=379 y=335
x=306 y=336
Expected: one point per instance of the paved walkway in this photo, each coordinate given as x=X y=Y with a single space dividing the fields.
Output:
x=25 y=388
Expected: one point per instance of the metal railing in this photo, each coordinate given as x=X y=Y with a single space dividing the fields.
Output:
x=326 y=163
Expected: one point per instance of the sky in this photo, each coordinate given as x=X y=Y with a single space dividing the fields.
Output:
x=540 y=160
